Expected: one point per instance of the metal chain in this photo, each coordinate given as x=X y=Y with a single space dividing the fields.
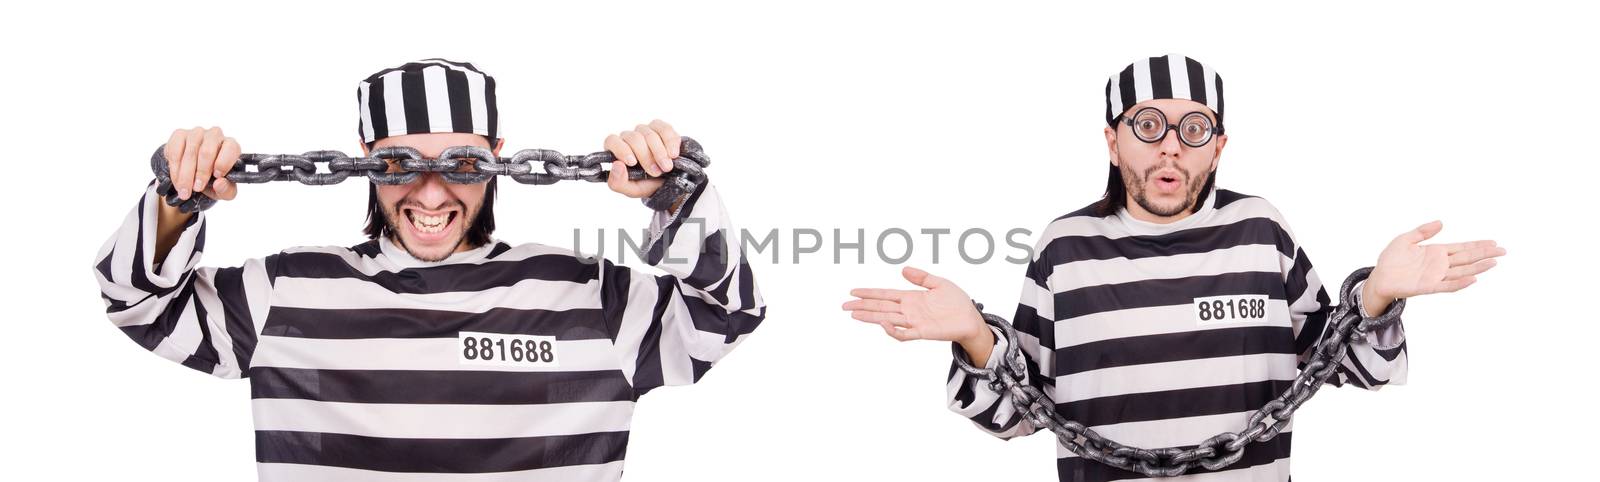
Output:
x=688 y=170
x=1213 y=453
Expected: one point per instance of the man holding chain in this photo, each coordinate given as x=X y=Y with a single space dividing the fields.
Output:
x=434 y=351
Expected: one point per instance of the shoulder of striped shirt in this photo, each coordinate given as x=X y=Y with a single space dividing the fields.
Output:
x=1231 y=207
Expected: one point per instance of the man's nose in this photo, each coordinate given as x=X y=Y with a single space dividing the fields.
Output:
x=430 y=190
x=1171 y=146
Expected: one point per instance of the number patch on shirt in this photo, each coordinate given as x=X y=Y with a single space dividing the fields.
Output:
x=1230 y=309
x=499 y=349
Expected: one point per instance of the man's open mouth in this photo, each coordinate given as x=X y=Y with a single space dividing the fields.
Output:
x=1168 y=182
x=430 y=223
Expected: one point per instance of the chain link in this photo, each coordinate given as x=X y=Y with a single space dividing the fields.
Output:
x=1213 y=453
x=688 y=170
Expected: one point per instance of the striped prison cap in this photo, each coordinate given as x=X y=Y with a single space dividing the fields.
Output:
x=1170 y=77
x=431 y=95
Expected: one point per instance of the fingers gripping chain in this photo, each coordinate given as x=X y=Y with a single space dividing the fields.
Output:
x=688 y=171
x=1213 y=453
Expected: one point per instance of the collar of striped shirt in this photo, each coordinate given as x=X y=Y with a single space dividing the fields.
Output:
x=400 y=258
x=1145 y=228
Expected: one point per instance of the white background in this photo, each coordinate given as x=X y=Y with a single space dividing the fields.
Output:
x=1358 y=120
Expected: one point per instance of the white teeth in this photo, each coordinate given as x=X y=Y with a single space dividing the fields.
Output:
x=429 y=224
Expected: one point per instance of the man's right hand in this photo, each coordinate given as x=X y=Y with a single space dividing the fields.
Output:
x=198 y=160
x=942 y=312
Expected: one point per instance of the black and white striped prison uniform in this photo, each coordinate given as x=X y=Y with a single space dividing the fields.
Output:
x=1120 y=327
x=358 y=358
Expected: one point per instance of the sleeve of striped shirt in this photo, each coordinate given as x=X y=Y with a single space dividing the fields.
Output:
x=1382 y=360
x=1034 y=321
x=201 y=317
x=672 y=328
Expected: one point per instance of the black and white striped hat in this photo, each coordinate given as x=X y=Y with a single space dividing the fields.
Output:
x=431 y=95
x=1171 y=77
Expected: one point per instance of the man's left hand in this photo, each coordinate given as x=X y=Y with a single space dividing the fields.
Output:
x=1408 y=268
x=652 y=146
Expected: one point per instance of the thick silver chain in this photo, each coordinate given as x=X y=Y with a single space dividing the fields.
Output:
x=688 y=170
x=1213 y=453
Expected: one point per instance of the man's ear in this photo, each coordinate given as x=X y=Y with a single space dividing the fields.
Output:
x=365 y=152
x=498 y=145
x=1111 y=144
x=1216 y=157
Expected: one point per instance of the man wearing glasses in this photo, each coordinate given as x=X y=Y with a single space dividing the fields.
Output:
x=1169 y=311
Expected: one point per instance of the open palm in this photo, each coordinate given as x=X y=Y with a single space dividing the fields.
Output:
x=1408 y=268
x=942 y=312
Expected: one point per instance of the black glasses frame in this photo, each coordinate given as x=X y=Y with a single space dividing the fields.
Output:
x=1211 y=133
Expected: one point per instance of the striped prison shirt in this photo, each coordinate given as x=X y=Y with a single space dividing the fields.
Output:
x=1161 y=335
x=499 y=363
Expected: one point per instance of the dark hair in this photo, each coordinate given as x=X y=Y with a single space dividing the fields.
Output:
x=1117 y=194
x=477 y=235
